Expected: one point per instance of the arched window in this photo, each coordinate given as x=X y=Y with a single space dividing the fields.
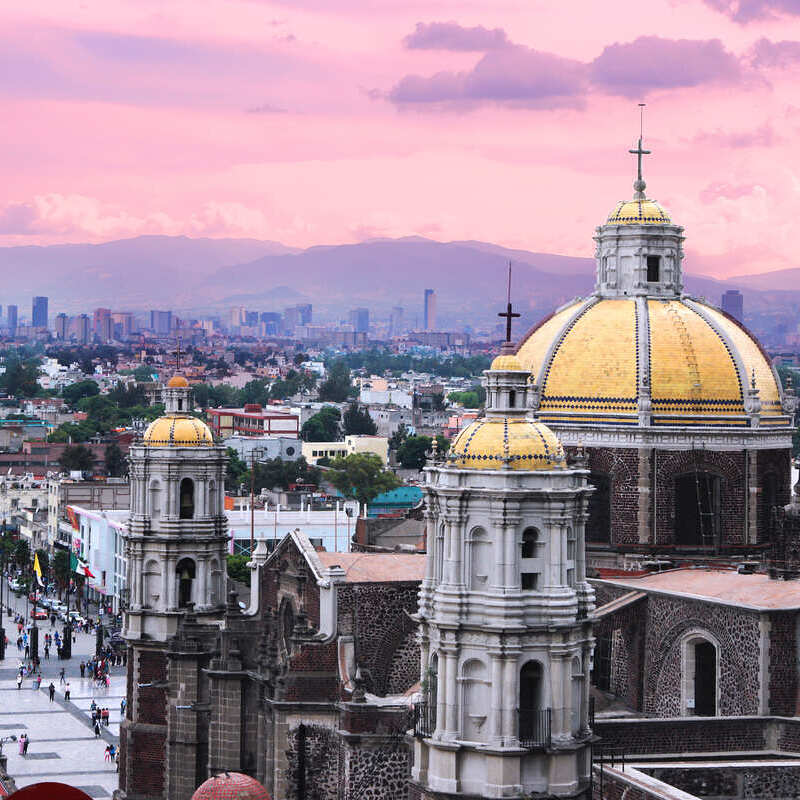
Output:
x=474 y=700
x=529 y=569
x=180 y=404
x=187 y=499
x=479 y=559
x=185 y=571
x=287 y=626
x=533 y=719
x=151 y=588
x=512 y=399
x=598 y=525
x=530 y=537
x=699 y=674
x=155 y=499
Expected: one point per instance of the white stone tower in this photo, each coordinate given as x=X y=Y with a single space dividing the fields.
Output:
x=505 y=630
x=177 y=538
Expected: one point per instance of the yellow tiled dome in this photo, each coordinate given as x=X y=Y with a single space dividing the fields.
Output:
x=175 y=430
x=177 y=382
x=638 y=212
x=506 y=362
x=505 y=442
x=586 y=361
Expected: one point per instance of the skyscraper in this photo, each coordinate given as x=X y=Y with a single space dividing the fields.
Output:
x=430 y=310
x=733 y=304
x=396 y=321
x=12 y=320
x=102 y=324
x=161 y=322
x=39 y=312
x=62 y=321
x=359 y=319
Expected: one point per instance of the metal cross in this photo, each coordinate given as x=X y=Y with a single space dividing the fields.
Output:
x=178 y=355
x=639 y=152
x=508 y=313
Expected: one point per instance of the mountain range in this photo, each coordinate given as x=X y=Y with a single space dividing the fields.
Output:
x=200 y=276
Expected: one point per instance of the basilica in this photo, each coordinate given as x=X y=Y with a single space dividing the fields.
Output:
x=633 y=428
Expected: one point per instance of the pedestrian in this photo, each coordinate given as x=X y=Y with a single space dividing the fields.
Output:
x=27 y=742
x=108 y=752
x=52 y=690
x=27 y=651
x=66 y=691
x=61 y=677
x=52 y=620
x=104 y=716
x=47 y=652
x=19 y=681
x=21 y=744
x=122 y=707
x=83 y=669
x=96 y=729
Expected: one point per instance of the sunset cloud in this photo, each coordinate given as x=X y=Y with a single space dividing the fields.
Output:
x=452 y=36
x=748 y=10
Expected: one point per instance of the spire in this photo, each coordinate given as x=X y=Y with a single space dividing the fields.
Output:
x=509 y=315
x=639 y=185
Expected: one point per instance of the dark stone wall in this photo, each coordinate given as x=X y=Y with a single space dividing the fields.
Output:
x=621 y=465
x=750 y=783
x=321 y=763
x=737 y=630
x=783 y=665
x=775 y=464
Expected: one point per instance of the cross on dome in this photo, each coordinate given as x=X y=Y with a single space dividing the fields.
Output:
x=639 y=185
x=508 y=313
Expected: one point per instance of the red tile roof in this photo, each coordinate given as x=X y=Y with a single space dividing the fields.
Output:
x=377 y=567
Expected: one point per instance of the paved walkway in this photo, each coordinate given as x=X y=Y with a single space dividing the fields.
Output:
x=62 y=743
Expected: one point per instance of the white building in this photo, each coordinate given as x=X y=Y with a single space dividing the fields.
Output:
x=263 y=448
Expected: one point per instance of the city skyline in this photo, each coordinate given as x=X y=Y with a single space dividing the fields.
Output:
x=408 y=117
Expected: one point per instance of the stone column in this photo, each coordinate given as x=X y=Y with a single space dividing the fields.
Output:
x=451 y=727
x=201 y=594
x=497 y=690
x=510 y=697
x=645 y=497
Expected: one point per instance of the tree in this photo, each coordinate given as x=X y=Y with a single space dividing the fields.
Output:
x=438 y=401
x=21 y=378
x=323 y=426
x=77 y=391
x=336 y=388
x=466 y=399
x=299 y=358
x=22 y=554
x=398 y=437
x=115 y=463
x=361 y=476
x=278 y=473
x=143 y=373
x=413 y=452
x=238 y=569
x=357 y=422
x=77 y=457
x=61 y=570
x=235 y=471
x=255 y=391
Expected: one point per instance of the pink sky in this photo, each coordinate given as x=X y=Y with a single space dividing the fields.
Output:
x=328 y=121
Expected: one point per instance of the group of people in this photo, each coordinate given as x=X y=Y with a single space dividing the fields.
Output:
x=100 y=716
x=23 y=743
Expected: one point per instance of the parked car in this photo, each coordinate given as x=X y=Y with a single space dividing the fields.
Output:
x=41 y=614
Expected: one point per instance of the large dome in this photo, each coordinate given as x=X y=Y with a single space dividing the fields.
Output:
x=507 y=443
x=597 y=359
x=178 y=430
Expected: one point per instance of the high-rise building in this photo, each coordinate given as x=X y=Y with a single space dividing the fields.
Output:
x=396 y=321
x=161 y=322
x=123 y=324
x=733 y=304
x=39 y=312
x=430 y=310
x=359 y=319
x=251 y=318
x=305 y=310
x=12 y=320
x=83 y=329
x=271 y=320
x=102 y=326
x=291 y=319
x=62 y=322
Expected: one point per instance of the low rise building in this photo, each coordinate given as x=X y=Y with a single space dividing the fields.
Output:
x=252 y=420
x=379 y=445
x=263 y=448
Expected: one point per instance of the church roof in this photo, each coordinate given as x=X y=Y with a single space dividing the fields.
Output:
x=376 y=567
x=178 y=430
x=757 y=591
x=638 y=212
x=596 y=359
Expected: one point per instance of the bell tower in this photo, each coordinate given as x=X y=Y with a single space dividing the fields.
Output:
x=504 y=611
x=176 y=548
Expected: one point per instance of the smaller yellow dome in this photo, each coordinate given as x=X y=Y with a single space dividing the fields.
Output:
x=638 y=212
x=507 y=362
x=175 y=430
x=507 y=442
x=177 y=382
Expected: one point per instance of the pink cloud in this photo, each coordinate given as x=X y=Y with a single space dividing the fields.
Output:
x=749 y=10
x=452 y=36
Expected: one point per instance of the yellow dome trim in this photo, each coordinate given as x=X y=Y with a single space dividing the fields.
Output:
x=754 y=361
x=507 y=362
x=177 y=382
x=175 y=430
x=691 y=368
x=638 y=212
x=507 y=443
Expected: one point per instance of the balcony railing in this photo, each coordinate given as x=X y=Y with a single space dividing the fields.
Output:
x=534 y=728
x=424 y=720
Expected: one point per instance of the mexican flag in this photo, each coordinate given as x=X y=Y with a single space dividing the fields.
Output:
x=77 y=564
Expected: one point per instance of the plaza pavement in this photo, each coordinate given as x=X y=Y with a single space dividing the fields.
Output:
x=62 y=743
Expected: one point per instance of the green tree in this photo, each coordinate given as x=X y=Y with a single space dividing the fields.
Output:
x=61 y=570
x=277 y=473
x=466 y=399
x=21 y=377
x=115 y=463
x=299 y=358
x=413 y=452
x=357 y=422
x=361 y=476
x=255 y=391
x=77 y=391
x=238 y=569
x=76 y=457
x=323 y=426
x=22 y=554
x=235 y=471
x=398 y=437
x=336 y=388
x=143 y=373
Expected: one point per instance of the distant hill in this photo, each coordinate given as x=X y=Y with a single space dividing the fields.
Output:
x=201 y=275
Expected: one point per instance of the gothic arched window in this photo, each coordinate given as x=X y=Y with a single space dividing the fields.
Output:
x=185 y=570
x=475 y=700
x=187 y=499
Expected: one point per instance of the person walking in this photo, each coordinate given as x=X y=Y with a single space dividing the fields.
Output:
x=47 y=652
x=122 y=704
x=52 y=690
x=66 y=692
x=96 y=729
x=19 y=681
x=83 y=669
x=25 y=747
x=21 y=744
x=27 y=651
x=61 y=677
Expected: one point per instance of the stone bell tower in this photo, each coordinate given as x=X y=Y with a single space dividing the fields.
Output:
x=176 y=549
x=504 y=611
